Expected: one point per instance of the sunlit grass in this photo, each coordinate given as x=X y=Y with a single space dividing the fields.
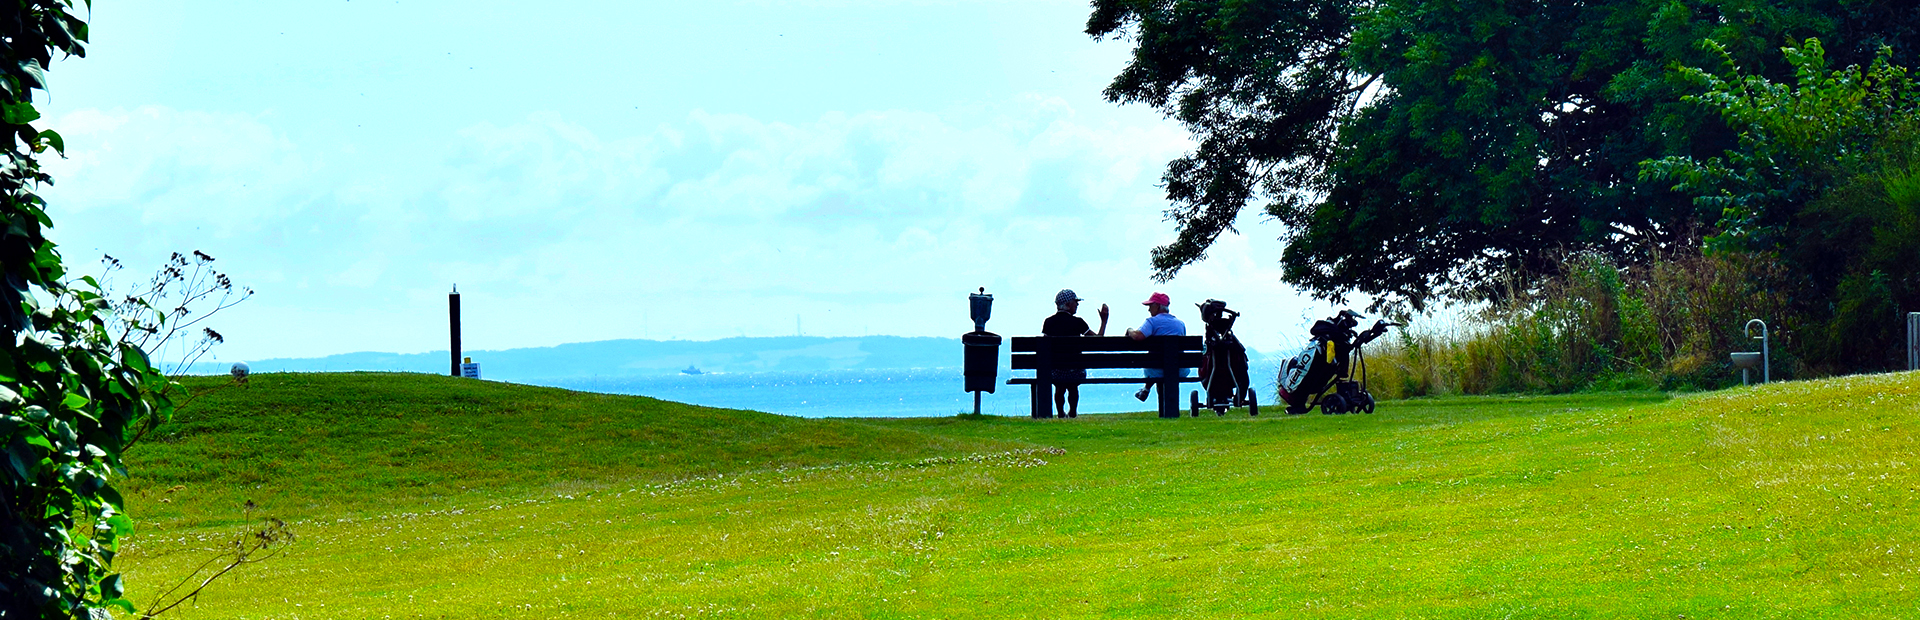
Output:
x=1791 y=500
x=300 y=445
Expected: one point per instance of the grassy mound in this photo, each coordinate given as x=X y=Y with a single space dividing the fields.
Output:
x=1789 y=500
x=304 y=444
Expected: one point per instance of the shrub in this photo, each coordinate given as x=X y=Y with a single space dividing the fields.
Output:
x=1668 y=323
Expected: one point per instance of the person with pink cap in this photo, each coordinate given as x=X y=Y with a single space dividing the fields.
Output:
x=1160 y=322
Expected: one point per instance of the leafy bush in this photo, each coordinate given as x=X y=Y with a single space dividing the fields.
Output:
x=1819 y=229
x=1826 y=177
x=1665 y=324
x=72 y=397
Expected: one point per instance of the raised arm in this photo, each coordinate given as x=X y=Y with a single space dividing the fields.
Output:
x=1103 y=320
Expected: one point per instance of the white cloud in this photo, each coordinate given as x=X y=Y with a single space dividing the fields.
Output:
x=362 y=274
x=711 y=226
x=157 y=165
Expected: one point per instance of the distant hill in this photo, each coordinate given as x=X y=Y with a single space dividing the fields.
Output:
x=620 y=358
x=636 y=358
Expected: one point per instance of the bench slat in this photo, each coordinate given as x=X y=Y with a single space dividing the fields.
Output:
x=1031 y=344
x=1101 y=380
x=1031 y=361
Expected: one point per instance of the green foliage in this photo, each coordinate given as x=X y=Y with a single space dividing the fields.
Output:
x=1417 y=149
x=1824 y=175
x=1796 y=142
x=72 y=397
x=1665 y=324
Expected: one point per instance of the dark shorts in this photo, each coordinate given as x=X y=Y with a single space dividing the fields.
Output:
x=1069 y=376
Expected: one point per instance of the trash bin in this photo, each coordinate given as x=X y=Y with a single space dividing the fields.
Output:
x=982 y=361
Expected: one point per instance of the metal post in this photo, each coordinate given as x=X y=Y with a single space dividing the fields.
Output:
x=1766 y=362
x=1913 y=341
x=453 y=321
x=976 y=403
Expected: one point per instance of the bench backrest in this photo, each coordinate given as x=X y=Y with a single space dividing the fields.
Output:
x=1038 y=352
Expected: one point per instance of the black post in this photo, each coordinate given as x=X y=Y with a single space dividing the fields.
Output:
x=1913 y=341
x=453 y=320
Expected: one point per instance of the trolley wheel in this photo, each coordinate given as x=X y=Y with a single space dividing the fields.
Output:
x=1366 y=403
x=1253 y=403
x=1333 y=405
x=1193 y=407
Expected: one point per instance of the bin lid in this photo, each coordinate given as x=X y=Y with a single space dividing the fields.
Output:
x=980 y=338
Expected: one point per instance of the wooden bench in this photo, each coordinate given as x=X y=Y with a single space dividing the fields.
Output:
x=1042 y=354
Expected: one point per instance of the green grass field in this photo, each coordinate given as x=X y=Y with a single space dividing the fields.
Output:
x=423 y=496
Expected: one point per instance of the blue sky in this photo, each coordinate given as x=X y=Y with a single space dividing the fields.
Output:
x=690 y=170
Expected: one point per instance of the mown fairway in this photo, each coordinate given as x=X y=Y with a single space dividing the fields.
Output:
x=420 y=496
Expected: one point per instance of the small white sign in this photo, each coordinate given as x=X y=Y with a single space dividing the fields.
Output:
x=470 y=370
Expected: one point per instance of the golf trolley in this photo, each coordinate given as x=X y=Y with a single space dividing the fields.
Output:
x=1329 y=361
x=1223 y=369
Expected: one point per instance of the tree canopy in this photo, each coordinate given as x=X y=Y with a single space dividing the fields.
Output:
x=1418 y=149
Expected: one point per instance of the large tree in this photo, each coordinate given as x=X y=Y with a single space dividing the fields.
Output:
x=1418 y=148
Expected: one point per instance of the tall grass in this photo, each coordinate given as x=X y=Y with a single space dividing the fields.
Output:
x=1668 y=324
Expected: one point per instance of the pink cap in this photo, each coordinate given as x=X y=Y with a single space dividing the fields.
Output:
x=1158 y=298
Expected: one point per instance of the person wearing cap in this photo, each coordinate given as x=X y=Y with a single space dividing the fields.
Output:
x=1066 y=381
x=1160 y=322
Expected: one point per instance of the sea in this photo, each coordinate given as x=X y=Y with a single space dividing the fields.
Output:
x=868 y=393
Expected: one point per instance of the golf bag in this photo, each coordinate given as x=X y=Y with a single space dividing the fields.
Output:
x=1223 y=368
x=1328 y=361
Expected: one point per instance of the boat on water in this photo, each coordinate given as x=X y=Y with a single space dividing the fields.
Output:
x=691 y=370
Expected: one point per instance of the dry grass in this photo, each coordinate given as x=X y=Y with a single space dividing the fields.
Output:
x=1667 y=325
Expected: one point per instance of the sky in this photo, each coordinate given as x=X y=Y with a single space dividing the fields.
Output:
x=603 y=170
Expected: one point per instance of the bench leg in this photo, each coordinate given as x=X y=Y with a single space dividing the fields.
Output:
x=1042 y=399
x=1169 y=396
